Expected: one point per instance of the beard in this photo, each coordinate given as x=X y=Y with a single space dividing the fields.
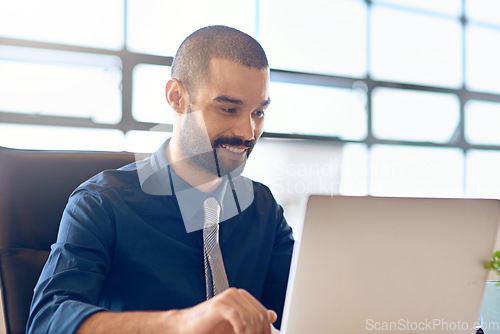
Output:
x=206 y=153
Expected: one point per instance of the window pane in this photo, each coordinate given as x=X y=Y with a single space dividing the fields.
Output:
x=148 y=95
x=482 y=55
x=354 y=171
x=409 y=47
x=483 y=10
x=296 y=167
x=159 y=26
x=315 y=36
x=414 y=115
x=41 y=87
x=320 y=111
x=416 y=171
x=450 y=7
x=145 y=141
x=292 y=169
x=60 y=138
x=483 y=178
x=92 y=23
x=482 y=124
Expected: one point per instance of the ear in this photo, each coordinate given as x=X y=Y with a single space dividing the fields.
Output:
x=176 y=95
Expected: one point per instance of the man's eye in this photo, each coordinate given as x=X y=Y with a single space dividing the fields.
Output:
x=259 y=114
x=229 y=110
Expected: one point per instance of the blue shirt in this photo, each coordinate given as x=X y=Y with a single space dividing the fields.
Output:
x=123 y=245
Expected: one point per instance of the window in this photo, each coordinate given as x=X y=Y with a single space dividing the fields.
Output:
x=148 y=94
x=415 y=48
x=416 y=171
x=410 y=89
x=60 y=138
x=354 y=170
x=483 y=122
x=316 y=110
x=325 y=37
x=483 y=50
x=145 y=141
x=91 y=23
x=60 y=83
x=400 y=114
x=483 y=179
x=484 y=11
x=159 y=26
x=448 y=7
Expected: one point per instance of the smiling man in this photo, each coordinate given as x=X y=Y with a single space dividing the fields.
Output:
x=179 y=242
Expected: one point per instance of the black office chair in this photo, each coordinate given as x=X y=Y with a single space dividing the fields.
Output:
x=34 y=188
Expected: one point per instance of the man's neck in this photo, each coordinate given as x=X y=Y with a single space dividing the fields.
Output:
x=195 y=176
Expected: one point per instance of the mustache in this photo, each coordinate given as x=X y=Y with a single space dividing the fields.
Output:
x=234 y=141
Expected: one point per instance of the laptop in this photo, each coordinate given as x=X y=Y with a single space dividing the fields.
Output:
x=390 y=265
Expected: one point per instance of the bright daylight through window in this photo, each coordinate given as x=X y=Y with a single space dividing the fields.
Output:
x=410 y=90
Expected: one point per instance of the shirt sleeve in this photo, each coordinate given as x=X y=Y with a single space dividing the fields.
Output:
x=68 y=289
x=277 y=277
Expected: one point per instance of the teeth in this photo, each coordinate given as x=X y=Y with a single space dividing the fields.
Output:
x=234 y=149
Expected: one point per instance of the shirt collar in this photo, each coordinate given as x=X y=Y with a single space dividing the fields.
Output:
x=159 y=178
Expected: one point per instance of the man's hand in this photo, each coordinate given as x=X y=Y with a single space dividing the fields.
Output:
x=233 y=311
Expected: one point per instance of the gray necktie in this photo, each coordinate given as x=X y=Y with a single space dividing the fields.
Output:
x=215 y=274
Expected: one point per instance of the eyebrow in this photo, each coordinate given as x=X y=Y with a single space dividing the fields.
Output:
x=225 y=99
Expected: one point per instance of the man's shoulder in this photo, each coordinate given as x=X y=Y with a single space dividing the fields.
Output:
x=261 y=189
x=120 y=179
x=262 y=195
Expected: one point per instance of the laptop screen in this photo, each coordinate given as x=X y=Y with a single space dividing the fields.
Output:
x=390 y=265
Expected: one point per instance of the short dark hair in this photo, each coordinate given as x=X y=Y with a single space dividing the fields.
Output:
x=192 y=61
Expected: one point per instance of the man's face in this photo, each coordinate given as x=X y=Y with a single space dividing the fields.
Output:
x=232 y=107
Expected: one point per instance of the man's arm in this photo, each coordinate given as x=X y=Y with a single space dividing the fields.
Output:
x=233 y=311
x=68 y=289
x=66 y=296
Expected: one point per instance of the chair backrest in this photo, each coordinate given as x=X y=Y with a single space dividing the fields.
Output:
x=34 y=188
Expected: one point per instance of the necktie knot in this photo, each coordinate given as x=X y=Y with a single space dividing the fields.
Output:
x=212 y=211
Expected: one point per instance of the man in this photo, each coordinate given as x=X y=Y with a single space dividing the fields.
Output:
x=139 y=249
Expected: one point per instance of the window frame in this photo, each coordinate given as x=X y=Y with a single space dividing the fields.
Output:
x=131 y=59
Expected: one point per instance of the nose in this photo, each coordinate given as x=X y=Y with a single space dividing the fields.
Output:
x=245 y=127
